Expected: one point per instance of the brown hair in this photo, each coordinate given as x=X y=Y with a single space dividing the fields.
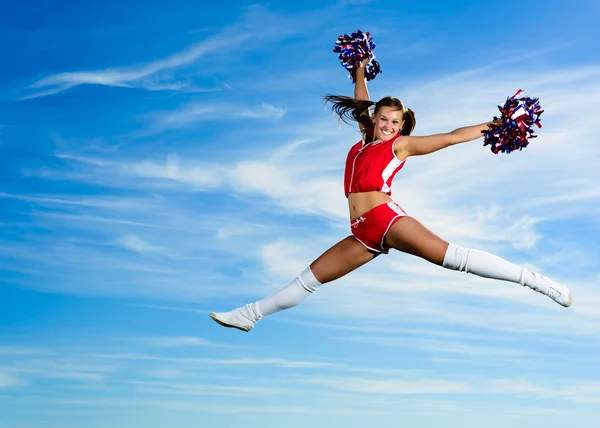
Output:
x=351 y=109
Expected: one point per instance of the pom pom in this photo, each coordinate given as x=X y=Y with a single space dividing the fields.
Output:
x=514 y=128
x=355 y=48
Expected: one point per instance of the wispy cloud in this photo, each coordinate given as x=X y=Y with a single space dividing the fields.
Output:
x=139 y=76
x=395 y=386
x=14 y=350
x=170 y=388
x=51 y=369
x=169 y=342
x=137 y=244
x=208 y=408
x=439 y=347
x=91 y=202
x=256 y=23
x=265 y=111
x=275 y=177
x=199 y=176
x=275 y=362
x=581 y=392
x=194 y=114
x=7 y=381
x=172 y=308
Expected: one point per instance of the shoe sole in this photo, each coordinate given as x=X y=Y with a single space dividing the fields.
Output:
x=214 y=317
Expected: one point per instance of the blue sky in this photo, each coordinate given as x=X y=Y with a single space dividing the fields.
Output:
x=161 y=161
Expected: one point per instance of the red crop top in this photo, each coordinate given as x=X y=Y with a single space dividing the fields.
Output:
x=371 y=167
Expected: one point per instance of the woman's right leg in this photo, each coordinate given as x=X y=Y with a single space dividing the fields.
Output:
x=339 y=260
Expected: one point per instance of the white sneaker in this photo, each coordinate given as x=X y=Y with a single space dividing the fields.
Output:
x=235 y=319
x=559 y=293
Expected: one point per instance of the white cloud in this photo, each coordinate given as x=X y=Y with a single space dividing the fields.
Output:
x=196 y=114
x=265 y=111
x=171 y=388
x=184 y=116
x=7 y=381
x=137 y=244
x=203 y=407
x=178 y=341
x=274 y=362
x=394 y=386
x=139 y=76
x=438 y=346
x=581 y=392
x=165 y=373
x=50 y=369
x=92 y=202
x=255 y=25
x=14 y=350
x=171 y=308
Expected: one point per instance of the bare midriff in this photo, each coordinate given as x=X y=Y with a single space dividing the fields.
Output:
x=360 y=203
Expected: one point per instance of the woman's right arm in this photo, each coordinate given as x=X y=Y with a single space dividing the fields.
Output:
x=360 y=87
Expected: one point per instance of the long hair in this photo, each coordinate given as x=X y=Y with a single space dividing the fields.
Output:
x=352 y=110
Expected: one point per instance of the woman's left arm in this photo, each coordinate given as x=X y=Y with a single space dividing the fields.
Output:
x=416 y=146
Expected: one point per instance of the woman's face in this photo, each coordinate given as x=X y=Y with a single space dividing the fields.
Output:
x=388 y=122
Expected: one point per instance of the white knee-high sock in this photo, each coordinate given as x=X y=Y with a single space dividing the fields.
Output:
x=291 y=295
x=488 y=265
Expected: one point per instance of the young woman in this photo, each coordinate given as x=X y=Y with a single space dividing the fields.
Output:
x=377 y=222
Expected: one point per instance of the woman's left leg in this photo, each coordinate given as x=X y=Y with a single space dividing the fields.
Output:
x=410 y=236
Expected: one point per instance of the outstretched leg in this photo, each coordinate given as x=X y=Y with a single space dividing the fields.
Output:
x=339 y=260
x=410 y=236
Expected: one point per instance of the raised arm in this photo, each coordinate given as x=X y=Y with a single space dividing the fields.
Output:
x=360 y=87
x=415 y=145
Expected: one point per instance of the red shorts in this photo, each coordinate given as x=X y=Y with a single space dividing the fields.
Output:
x=371 y=227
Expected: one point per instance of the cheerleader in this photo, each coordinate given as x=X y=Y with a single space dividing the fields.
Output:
x=377 y=222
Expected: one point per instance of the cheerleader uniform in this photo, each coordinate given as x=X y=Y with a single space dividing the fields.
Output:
x=372 y=167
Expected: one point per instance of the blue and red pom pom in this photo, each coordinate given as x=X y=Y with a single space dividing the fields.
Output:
x=517 y=117
x=353 y=49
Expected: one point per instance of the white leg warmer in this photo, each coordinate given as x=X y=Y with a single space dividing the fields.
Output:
x=490 y=266
x=291 y=295
x=487 y=265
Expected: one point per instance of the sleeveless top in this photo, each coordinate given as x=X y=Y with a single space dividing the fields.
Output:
x=371 y=167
